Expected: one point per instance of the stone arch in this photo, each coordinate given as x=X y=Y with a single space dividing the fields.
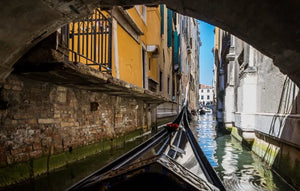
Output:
x=270 y=26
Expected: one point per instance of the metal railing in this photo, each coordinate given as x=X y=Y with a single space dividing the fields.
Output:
x=89 y=41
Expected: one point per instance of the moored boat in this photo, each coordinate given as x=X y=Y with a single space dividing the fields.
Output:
x=202 y=111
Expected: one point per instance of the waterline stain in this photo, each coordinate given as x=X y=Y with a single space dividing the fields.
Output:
x=72 y=172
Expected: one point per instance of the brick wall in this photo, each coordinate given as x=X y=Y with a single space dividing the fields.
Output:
x=38 y=117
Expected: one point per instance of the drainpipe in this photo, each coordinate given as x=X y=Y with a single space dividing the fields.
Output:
x=115 y=47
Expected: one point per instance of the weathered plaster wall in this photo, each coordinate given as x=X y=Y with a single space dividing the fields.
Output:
x=271 y=83
x=165 y=61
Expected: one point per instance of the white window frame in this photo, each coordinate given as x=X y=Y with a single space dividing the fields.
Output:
x=137 y=7
x=144 y=13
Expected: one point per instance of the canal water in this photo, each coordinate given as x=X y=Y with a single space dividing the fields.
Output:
x=236 y=165
x=64 y=177
x=238 y=168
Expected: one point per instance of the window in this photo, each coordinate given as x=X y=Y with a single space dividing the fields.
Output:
x=160 y=81
x=173 y=88
x=142 y=10
x=149 y=63
x=187 y=67
x=201 y=91
x=208 y=97
x=144 y=13
x=202 y=97
x=144 y=60
x=207 y=90
x=168 y=85
x=177 y=89
x=137 y=8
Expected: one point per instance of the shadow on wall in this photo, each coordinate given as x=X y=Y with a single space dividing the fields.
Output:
x=280 y=147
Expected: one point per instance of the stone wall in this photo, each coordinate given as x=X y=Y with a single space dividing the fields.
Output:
x=39 y=118
x=262 y=109
x=282 y=157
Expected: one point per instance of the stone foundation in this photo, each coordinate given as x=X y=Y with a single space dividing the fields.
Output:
x=282 y=157
x=21 y=171
x=44 y=126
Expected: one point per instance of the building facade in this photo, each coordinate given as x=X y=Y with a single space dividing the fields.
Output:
x=189 y=60
x=182 y=45
x=259 y=103
x=206 y=95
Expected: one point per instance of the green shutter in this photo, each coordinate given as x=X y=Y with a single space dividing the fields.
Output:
x=179 y=54
x=176 y=47
x=169 y=22
x=162 y=16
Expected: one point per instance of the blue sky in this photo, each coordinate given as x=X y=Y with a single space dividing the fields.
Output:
x=206 y=54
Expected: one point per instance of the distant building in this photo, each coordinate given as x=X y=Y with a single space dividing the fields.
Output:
x=178 y=62
x=206 y=95
x=188 y=63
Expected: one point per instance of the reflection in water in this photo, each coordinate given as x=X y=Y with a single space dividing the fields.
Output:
x=206 y=137
x=237 y=167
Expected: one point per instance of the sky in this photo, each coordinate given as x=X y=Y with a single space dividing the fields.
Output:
x=206 y=54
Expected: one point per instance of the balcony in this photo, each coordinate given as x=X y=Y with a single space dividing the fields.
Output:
x=89 y=41
x=79 y=55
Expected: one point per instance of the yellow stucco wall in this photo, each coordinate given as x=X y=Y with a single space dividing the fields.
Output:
x=129 y=50
x=153 y=37
x=137 y=18
x=130 y=58
x=153 y=26
x=151 y=29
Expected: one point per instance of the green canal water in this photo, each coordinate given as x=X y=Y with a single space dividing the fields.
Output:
x=236 y=165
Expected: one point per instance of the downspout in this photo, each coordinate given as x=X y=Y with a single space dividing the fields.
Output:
x=115 y=47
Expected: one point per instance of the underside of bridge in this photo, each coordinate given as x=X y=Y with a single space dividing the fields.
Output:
x=53 y=111
x=270 y=26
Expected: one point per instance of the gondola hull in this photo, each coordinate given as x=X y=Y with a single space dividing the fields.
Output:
x=170 y=160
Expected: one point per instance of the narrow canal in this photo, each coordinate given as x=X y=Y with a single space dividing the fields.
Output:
x=237 y=166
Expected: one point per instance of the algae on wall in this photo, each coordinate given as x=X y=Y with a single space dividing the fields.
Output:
x=266 y=151
x=19 y=172
x=280 y=157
